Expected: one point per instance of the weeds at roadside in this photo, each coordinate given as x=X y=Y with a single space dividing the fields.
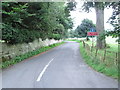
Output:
x=99 y=66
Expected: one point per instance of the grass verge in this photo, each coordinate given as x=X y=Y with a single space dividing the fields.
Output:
x=27 y=55
x=97 y=65
x=74 y=40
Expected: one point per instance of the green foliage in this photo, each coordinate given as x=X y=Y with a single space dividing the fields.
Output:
x=102 y=36
x=26 y=21
x=15 y=35
x=55 y=36
x=88 y=5
x=114 y=20
x=71 y=6
x=84 y=27
x=20 y=58
x=73 y=34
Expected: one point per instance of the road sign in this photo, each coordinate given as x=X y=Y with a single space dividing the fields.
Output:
x=92 y=33
x=92 y=30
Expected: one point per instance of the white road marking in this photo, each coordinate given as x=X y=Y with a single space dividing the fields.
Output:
x=43 y=71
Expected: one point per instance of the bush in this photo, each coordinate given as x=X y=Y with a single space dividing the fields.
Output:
x=14 y=35
x=55 y=36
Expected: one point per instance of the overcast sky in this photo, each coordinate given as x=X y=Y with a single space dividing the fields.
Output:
x=78 y=16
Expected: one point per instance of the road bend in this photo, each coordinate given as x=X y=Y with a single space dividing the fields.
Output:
x=60 y=67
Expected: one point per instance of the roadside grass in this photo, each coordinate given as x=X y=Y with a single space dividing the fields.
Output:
x=74 y=40
x=20 y=58
x=111 y=52
x=107 y=68
x=90 y=43
x=111 y=47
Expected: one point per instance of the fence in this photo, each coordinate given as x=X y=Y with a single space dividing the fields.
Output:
x=102 y=56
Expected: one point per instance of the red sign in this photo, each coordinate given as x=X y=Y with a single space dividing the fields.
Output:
x=92 y=33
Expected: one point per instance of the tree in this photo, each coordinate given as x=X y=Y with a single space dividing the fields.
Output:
x=73 y=34
x=84 y=27
x=24 y=22
x=99 y=8
x=114 y=20
x=71 y=5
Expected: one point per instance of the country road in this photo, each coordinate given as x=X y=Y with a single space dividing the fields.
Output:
x=60 y=67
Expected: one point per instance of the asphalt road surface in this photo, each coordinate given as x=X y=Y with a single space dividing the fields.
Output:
x=60 y=67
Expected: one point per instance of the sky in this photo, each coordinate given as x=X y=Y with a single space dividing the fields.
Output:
x=78 y=15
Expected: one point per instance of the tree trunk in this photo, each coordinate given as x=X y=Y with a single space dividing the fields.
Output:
x=100 y=25
x=119 y=24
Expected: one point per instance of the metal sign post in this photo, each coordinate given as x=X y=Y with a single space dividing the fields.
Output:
x=92 y=41
x=92 y=33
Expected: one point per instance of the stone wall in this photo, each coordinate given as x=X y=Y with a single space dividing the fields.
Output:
x=10 y=51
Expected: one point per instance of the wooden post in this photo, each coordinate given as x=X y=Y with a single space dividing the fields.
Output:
x=96 y=52
x=104 y=55
x=83 y=44
x=91 y=49
x=92 y=41
x=116 y=61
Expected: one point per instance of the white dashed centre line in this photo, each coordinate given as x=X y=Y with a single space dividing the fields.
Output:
x=43 y=71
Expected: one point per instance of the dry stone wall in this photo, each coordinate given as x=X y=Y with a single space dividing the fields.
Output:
x=11 y=51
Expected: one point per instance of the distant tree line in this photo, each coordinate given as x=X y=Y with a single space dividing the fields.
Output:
x=23 y=22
